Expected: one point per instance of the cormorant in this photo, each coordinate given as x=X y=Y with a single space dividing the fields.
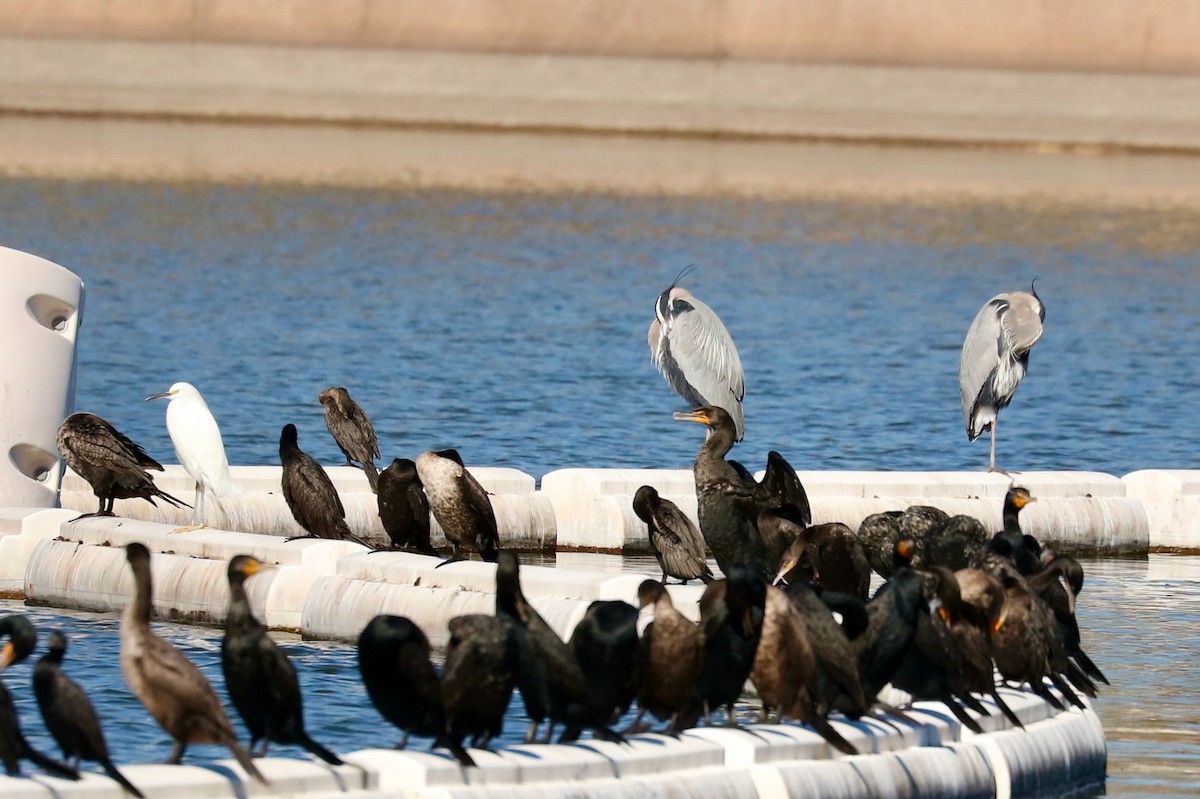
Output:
x=731 y=617
x=1058 y=584
x=310 y=494
x=110 y=461
x=393 y=657
x=877 y=534
x=173 y=690
x=1022 y=550
x=198 y=446
x=69 y=714
x=606 y=645
x=404 y=508
x=352 y=430
x=259 y=676
x=830 y=556
x=459 y=503
x=728 y=506
x=780 y=486
x=672 y=656
x=482 y=661
x=676 y=542
x=22 y=638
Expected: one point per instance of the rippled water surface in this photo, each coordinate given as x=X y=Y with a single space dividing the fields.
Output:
x=1137 y=616
x=514 y=327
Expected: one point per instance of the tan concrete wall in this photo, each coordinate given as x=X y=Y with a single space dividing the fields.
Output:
x=1087 y=35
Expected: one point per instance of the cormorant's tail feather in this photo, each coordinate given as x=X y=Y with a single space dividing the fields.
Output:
x=1005 y=709
x=320 y=751
x=456 y=749
x=111 y=770
x=47 y=763
x=832 y=736
x=372 y=475
x=244 y=760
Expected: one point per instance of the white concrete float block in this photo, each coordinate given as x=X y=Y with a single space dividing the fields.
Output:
x=1171 y=499
x=594 y=507
x=396 y=773
x=524 y=518
x=1060 y=755
x=295 y=777
x=650 y=754
x=569 y=762
x=20 y=531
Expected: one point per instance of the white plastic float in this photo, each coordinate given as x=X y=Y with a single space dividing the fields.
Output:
x=41 y=306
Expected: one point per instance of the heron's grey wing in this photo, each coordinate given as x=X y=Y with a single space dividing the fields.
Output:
x=1022 y=321
x=679 y=542
x=708 y=360
x=981 y=353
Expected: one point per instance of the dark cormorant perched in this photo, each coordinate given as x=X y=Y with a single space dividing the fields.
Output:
x=838 y=683
x=728 y=506
x=605 y=644
x=676 y=542
x=482 y=660
x=110 y=461
x=310 y=494
x=69 y=714
x=393 y=656
x=459 y=503
x=404 y=508
x=352 y=430
x=1021 y=549
x=173 y=690
x=1058 y=584
x=731 y=617
x=781 y=528
x=259 y=676
x=551 y=680
x=891 y=621
x=22 y=638
x=780 y=486
x=672 y=659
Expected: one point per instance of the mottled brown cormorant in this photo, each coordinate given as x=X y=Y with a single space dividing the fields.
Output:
x=605 y=644
x=676 y=542
x=310 y=494
x=459 y=503
x=672 y=657
x=173 y=690
x=731 y=617
x=959 y=542
x=482 y=660
x=352 y=430
x=404 y=508
x=781 y=528
x=259 y=676
x=13 y=747
x=393 y=657
x=830 y=556
x=728 y=506
x=551 y=681
x=69 y=714
x=877 y=534
x=110 y=461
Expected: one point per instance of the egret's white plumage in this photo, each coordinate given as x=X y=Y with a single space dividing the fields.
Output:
x=198 y=445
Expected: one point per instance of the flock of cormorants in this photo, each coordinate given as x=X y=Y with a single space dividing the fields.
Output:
x=791 y=613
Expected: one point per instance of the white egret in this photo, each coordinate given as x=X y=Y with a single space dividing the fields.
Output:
x=198 y=446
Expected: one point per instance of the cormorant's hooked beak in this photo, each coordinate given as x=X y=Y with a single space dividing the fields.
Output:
x=164 y=395
x=254 y=566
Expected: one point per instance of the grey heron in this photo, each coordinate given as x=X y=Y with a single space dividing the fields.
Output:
x=995 y=356
x=695 y=353
x=110 y=461
x=198 y=446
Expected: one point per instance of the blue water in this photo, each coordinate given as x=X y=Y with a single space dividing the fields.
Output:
x=514 y=327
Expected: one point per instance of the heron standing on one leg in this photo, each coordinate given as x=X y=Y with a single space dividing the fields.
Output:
x=994 y=358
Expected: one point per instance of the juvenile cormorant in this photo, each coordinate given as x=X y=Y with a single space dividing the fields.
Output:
x=676 y=542
x=995 y=355
x=69 y=714
x=728 y=506
x=259 y=676
x=310 y=494
x=13 y=747
x=352 y=430
x=173 y=690
x=482 y=660
x=393 y=657
x=198 y=446
x=110 y=461
x=404 y=508
x=672 y=658
x=695 y=353
x=459 y=503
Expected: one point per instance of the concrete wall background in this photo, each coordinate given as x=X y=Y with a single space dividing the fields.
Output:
x=1073 y=35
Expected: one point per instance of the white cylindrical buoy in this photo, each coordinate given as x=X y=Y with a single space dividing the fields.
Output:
x=41 y=306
